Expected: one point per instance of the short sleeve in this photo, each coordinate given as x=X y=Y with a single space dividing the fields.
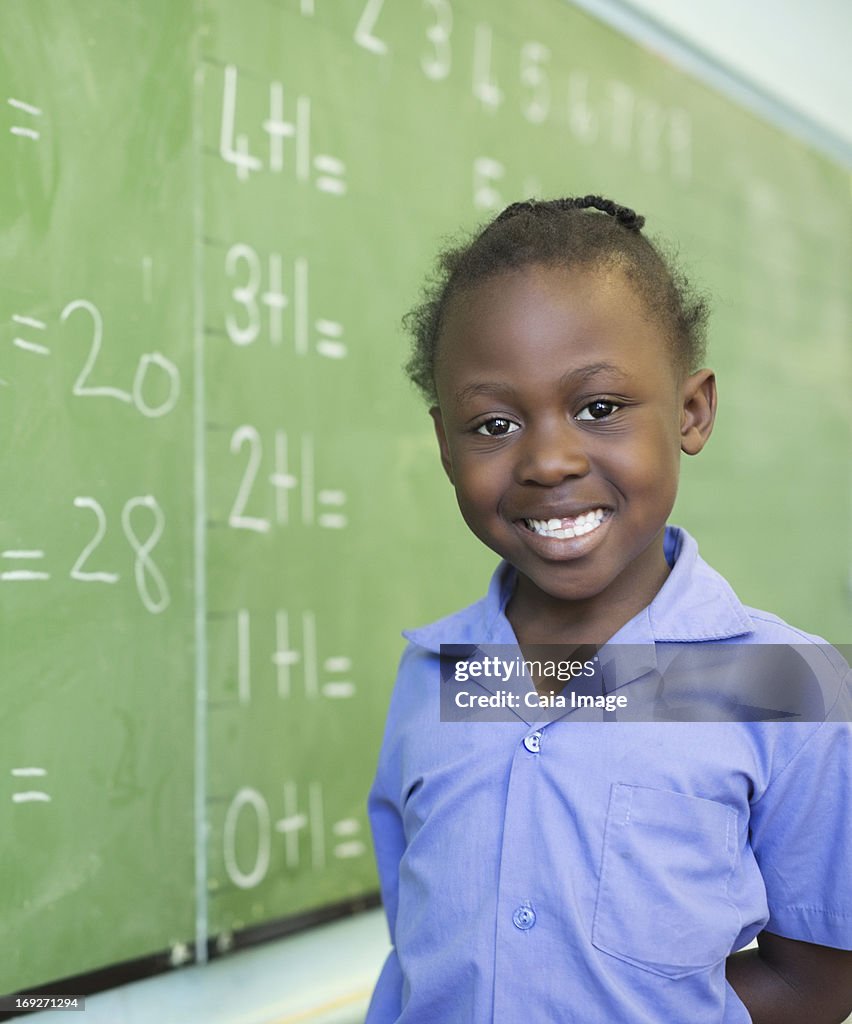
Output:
x=801 y=834
x=383 y=804
x=389 y=844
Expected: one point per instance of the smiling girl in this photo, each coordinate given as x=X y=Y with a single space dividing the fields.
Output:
x=595 y=872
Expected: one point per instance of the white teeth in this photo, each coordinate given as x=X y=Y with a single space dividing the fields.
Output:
x=582 y=524
x=562 y=534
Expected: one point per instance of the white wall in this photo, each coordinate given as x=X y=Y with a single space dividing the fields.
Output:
x=794 y=53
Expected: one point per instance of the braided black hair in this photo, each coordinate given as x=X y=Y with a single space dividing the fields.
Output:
x=560 y=232
x=623 y=214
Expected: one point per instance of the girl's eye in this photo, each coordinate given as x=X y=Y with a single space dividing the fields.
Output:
x=597 y=410
x=497 y=427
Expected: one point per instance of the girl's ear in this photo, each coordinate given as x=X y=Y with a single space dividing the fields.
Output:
x=699 y=411
x=440 y=433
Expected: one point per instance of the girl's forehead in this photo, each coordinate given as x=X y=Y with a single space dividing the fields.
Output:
x=537 y=322
x=529 y=291
x=537 y=301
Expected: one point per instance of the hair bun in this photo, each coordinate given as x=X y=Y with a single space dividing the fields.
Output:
x=628 y=218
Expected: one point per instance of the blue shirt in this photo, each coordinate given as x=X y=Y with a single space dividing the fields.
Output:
x=597 y=872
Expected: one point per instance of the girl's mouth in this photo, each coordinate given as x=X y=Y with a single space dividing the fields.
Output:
x=573 y=526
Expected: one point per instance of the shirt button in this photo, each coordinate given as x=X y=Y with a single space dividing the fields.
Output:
x=533 y=742
x=524 y=917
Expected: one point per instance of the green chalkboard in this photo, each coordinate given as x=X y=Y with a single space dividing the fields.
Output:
x=220 y=501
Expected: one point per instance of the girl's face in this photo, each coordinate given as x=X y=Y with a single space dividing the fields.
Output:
x=561 y=419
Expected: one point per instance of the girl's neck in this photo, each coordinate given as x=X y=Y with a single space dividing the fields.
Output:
x=538 y=618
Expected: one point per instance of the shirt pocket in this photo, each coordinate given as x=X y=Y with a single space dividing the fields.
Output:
x=662 y=900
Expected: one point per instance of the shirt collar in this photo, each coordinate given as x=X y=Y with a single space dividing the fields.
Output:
x=695 y=603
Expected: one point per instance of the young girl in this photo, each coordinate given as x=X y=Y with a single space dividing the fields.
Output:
x=595 y=872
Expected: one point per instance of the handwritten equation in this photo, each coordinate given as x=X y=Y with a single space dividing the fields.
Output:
x=29 y=795
x=291 y=658
x=302 y=826
x=27 y=565
x=31 y=115
x=26 y=329
x=326 y=172
x=261 y=304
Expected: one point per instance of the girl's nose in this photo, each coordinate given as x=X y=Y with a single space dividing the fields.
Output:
x=550 y=454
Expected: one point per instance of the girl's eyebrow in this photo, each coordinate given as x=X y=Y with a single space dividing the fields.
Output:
x=583 y=374
x=484 y=388
x=572 y=379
